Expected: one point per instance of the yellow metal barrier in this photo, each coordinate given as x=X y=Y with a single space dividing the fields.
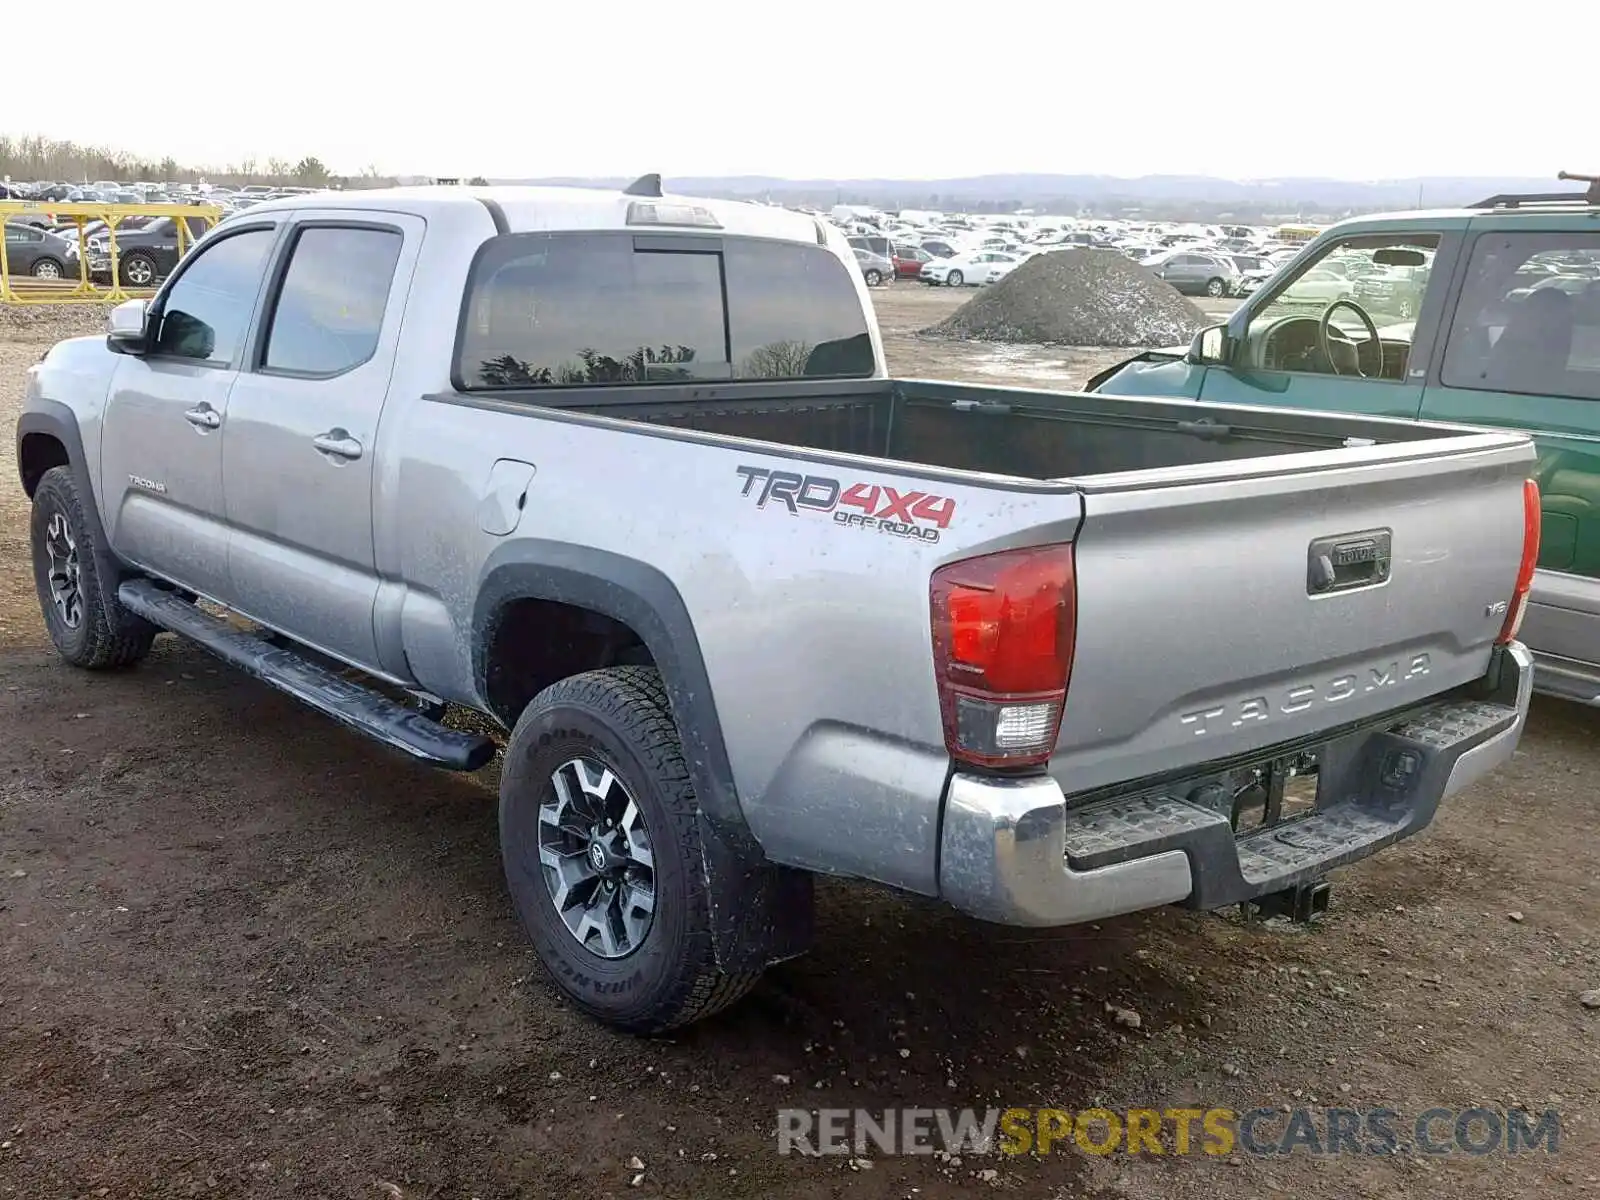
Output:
x=27 y=289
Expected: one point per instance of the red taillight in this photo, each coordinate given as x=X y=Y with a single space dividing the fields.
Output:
x=1530 y=556
x=1003 y=631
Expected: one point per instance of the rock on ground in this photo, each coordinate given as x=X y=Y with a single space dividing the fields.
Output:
x=51 y=322
x=1077 y=298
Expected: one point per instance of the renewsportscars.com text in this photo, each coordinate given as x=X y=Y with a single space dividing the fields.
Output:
x=1277 y=1130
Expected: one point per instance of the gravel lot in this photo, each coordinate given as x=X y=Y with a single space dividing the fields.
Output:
x=244 y=953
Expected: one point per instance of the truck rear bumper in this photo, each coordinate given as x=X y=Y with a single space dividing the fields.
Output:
x=1013 y=852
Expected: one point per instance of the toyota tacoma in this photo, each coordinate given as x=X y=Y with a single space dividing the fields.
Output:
x=625 y=473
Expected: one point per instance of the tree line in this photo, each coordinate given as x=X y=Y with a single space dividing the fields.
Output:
x=26 y=159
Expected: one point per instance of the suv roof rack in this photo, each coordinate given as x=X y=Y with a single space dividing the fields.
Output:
x=1514 y=200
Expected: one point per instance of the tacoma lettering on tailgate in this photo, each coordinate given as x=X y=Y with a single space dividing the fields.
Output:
x=918 y=515
x=1301 y=697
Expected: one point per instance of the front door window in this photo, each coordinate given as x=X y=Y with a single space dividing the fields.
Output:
x=1380 y=277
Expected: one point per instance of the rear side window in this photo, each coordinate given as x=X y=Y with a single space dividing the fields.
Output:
x=574 y=310
x=1529 y=317
x=330 y=307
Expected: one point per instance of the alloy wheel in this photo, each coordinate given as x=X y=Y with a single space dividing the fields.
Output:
x=596 y=855
x=61 y=548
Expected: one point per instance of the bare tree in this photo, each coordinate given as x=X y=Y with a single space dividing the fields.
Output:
x=776 y=360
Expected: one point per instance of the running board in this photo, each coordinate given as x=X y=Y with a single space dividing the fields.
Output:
x=351 y=704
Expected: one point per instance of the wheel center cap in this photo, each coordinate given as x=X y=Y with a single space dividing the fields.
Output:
x=597 y=856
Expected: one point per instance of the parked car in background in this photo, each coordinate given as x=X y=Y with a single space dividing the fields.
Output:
x=1196 y=274
x=909 y=261
x=33 y=251
x=1254 y=271
x=1572 y=285
x=875 y=268
x=145 y=255
x=1320 y=286
x=1250 y=262
x=872 y=243
x=969 y=270
x=1396 y=291
x=939 y=249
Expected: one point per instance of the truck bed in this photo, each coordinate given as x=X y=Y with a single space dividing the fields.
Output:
x=1207 y=629
x=999 y=431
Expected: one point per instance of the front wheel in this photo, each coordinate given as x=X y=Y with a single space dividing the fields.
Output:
x=601 y=844
x=955 y=279
x=87 y=628
x=138 y=270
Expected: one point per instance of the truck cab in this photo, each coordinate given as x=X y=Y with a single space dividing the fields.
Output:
x=1487 y=315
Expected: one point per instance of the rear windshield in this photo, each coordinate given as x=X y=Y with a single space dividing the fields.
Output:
x=579 y=309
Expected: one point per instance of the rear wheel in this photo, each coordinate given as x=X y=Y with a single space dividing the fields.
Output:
x=1216 y=287
x=47 y=268
x=955 y=279
x=600 y=837
x=86 y=628
x=874 y=278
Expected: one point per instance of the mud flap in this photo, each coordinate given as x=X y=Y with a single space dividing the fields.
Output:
x=763 y=912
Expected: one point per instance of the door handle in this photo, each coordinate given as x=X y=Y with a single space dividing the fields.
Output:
x=338 y=443
x=203 y=417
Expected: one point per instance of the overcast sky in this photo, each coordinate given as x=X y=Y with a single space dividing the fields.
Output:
x=853 y=88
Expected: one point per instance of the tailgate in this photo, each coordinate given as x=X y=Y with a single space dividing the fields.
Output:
x=1229 y=607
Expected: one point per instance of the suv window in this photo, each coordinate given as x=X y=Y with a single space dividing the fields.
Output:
x=565 y=310
x=1386 y=274
x=1529 y=316
x=205 y=311
x=330 y=308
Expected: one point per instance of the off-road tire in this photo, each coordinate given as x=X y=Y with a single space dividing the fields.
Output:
x=619 y=716
x=108 y=636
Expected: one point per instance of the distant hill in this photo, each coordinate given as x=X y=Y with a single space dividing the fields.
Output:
x=1195 y=196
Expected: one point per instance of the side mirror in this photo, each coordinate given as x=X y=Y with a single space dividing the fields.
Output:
x=128 y=329
x=1210 y=346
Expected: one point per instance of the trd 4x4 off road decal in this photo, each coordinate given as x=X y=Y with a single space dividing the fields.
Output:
x=875 y=506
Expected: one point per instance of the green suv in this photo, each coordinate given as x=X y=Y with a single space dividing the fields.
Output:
x=1488 y=315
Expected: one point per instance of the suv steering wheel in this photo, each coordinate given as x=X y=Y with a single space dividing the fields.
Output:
x=1325 y=339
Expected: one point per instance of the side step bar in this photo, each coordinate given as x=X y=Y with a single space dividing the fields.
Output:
x=351 y=704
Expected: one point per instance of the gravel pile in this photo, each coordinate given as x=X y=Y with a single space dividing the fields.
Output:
x=51 y=322
x=1077 y=298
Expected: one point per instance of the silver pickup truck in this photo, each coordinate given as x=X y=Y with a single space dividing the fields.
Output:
x=626 y=473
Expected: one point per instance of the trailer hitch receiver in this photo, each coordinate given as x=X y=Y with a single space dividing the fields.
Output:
x=1303 y=903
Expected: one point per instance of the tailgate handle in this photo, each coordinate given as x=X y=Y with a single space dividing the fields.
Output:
x=1346 y=561
x=1205 y=428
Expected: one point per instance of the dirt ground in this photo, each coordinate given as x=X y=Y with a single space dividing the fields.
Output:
x=245 y=953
